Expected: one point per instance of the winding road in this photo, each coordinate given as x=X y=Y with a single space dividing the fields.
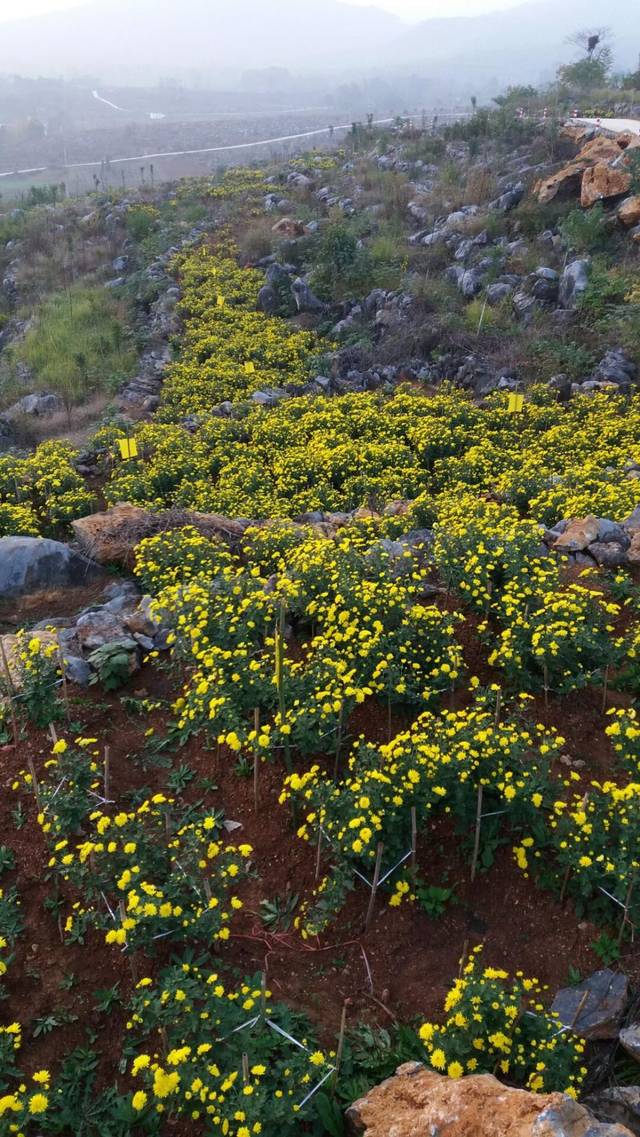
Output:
x=614 y=125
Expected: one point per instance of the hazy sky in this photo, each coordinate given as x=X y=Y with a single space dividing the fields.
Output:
x=408 y=9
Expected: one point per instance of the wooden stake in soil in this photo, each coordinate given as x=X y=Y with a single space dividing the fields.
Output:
x=341 y=1036
x=545 y=672
x=498 y=706
x=476 y=842
x=63 y=672
x=34 y=783
x=256 y=757
x=318 y=853
x=107 y=772
x=627 y=902
x=263 y=994
x=245 y=1068
x=565 y=881
x=53 y=733
x=374 y=886
x=414 y=841
x=463 y=957
x=336 y=764
x=605 y=688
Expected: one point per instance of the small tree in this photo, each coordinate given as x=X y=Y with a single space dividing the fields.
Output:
x=593 y=68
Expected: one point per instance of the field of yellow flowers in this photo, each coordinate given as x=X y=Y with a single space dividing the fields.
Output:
x=373 y=746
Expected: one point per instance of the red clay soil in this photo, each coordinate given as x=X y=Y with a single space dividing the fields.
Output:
x=401 y=969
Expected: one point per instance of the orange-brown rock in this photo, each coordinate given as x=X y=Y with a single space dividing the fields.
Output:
x=629 y=211
x=287 y=227
x=112 y=536
x=418 y=1102
x=564 y=183
x=633 y=551
x=578 y=535
x=603 y=149
x=602 y=181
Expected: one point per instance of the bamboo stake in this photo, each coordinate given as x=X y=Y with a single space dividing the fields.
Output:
x=476 y=843
x=263 y=994
x=565 y=881
x=374 y=886
x=605 y=688
x=627 y=902
x=63 y=672
x=414 y=841
x=280 y=682
x=463 y=957
x=340 y=1047
x=318 y=853
x=256 y=757
x=53 y=733
x=336 y=764
x=498 y=706
x=107 y=771
x=245 y=1068
x=34 y=783
x=545 y=671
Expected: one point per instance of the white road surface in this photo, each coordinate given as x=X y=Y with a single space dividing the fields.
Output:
x=615 y=125
x=185 y=153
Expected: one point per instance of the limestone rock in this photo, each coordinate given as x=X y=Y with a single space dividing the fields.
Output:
x=617 y=1105
x=573 y=282
x=603 y=181
x=594 y=1008
x=630 y=1039
x=420 y=1103
x=29 y=564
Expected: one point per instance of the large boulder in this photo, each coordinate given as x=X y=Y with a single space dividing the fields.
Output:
x=417 y=1102
x=578 y=535
x=31 y=564
x=603 y=181
x=574 y=282
x=629 y=211
x=618 y=1105
x=594 y=1008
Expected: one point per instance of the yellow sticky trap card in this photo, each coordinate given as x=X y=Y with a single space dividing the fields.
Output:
x=249 y=368
x=516 y=404
x=220 y=301
x=128 y=448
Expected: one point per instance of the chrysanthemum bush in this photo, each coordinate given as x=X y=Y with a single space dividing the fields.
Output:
x=25 y=1100
x=436 y=768
x=361 y=627
x=201 y=1048
x=229 y=350
x=497 y=1024
x=29 y=677
x=150 y=874
x=584 y=844
x=177 y=557
x=41 y=493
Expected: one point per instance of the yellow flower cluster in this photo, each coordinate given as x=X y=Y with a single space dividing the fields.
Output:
x=42 y=492
x=498 y=1024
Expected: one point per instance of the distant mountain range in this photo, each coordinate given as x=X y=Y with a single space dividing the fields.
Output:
x=108 y=37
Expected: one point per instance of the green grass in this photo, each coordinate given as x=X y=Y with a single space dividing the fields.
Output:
x=80 y=344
